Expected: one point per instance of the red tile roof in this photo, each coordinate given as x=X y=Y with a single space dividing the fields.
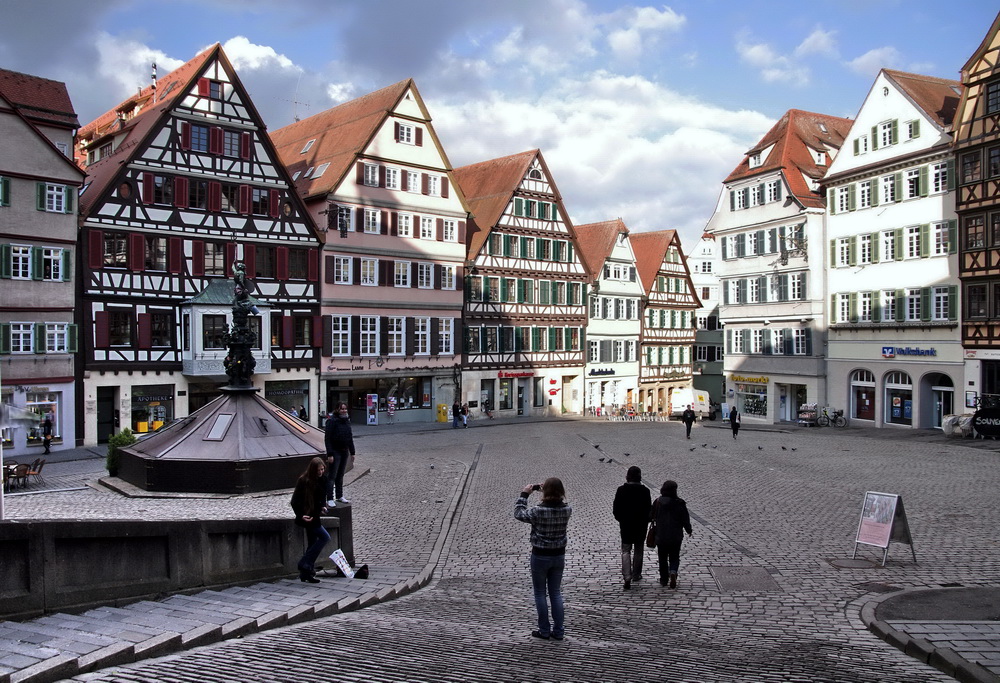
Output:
x=40 y=100
x=596 y=240
x=341 y=134
x=792 y=137
x=937 y=97
x=650 y=249
x=152 y=107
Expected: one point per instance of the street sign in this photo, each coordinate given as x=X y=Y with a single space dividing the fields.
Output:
x=883 y=520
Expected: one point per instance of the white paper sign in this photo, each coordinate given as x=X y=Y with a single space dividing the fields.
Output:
x=340 y=560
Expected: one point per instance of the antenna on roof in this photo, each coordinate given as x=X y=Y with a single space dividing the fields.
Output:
x=153 y=77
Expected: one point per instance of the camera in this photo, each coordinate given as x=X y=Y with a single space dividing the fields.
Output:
x=536 y=487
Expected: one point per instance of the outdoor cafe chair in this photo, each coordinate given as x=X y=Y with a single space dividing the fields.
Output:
x=20 y=475
x=36 y=472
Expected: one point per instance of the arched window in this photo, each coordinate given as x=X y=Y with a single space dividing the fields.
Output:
x=898 y=398
x=863 y=395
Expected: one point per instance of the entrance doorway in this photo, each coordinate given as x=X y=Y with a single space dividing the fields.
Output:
x=108 y=416
x=942 y=395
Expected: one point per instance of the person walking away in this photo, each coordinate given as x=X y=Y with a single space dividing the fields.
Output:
x=688 y=417
x=631 y=509
x=670 y=515
x=734 y=421
x=47 y=434
x=456 y=414
x=308 y=504
x=339 y=447
x=465 y=415
x=548 y=521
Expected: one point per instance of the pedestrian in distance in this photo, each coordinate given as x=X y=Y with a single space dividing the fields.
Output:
x=688 y=417
x=631 y=509
x=339 y=447
x=548 y=521
x=308 y=502
x=734 y=421
x=465 y=415
x=47 y=434
x=671 y=518
x=456 y=414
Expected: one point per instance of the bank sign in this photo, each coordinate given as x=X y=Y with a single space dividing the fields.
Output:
x=893 y=351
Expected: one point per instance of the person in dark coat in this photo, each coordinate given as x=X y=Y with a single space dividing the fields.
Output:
x=47 y=434
x=456 y=414
x=734 y=421
x=670 y=515
x=687 y=417
x=309 y=504
x=339 y=448
x=631 y=509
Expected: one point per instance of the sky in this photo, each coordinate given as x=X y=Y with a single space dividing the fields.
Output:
x=641 y=110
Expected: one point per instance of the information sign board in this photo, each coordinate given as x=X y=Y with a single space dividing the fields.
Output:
x=883 y=520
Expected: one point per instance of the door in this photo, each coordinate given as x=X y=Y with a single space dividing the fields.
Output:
x=520 y=397
x=107 y=413
x=943 y=398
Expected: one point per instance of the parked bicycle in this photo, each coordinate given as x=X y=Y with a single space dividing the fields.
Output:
x=837 y=419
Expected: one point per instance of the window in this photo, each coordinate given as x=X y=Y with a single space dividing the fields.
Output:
x=344 y=221
x=843 y=311
x=369 y=335
x=404 y=225
x=371 y=175
x=528 y=249
x=230 y=198
x=797 y=286
x=755 y=195
x=342 y=270
x=888 y=245
x=197 y=194
x=426 y=228
x=913 y=241
x=941 y=301
x=861 y=145
x=473 y=343
x=446 y=336
x=57 y=337
x=214 y=328
x=912 y=184
x=451 y=233
x=395 y=335
x=757 y=342
x=340 y=335
x=975 y=232
x=941 y=238
x=843 y=252
x=753 y=293
x=913 y=304
x=156 y=253
x=755 y=160
x=215 y=258
x=888 y=189
x=264 y=261
x=738 y=337
x=741 y=199
x=993 y=97
x=751 y=246
x=20 y=258
x=734 y=292
x=22 y=337
x=885 y=134
x=404 y=133
x=412 y=181
x=865 y=249
x=298 y=264
x=865 y=300
x=401 y=274
x=975 y=298
x=995 y=229
x=993 y=162
x=260 y=202
x=163 y=190
x=843 y=199
x=972 y=170
x=447 y=277
x=199 y=138
x=939 y=177
x=306 y=147
x=773 y=190
x=864 y=194
x=52 y=264
x=373 y=221
x=888 y=305
x=800 y=342
x=392 y=178
x=231 y=143
x=115 y=249
x=422 y=336
x=434 y=185
x=425 y=275
x=369 y=272
x=55 y=198
x=912 y=129
x=544 y=250
x=161 y=329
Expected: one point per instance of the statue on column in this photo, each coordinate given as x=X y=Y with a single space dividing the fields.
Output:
x=240 y=363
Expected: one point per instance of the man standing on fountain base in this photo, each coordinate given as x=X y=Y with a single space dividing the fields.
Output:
x=339 y=447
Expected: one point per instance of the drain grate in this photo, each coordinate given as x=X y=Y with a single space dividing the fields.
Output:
x=752 y=579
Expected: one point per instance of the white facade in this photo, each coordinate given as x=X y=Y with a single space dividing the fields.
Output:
x=703 y=263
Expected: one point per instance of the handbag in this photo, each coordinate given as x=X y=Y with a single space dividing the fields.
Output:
x=651 y=536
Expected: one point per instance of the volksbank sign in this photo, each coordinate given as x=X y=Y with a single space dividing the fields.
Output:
x=893 y=351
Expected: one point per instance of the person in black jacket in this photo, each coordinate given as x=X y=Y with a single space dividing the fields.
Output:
x=309 y=504
x=670 y=515
x=339 y=447
x=734 y=421
x=688 y=417
x=631 y=509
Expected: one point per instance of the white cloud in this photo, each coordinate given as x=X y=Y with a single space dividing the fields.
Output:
x=635 y=29
x=871 y=62
x=127 y=64
x=246 y=55
x=773 y=67
x=819 y=42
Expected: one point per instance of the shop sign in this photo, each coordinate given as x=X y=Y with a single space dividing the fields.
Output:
x=601 y=371
x=553 y=392
x=893 y=351
x=987 y=422
x=749 y=380
x=151 y=399
x=513 y=375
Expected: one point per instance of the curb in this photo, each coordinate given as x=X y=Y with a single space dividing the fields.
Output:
x=944 y=659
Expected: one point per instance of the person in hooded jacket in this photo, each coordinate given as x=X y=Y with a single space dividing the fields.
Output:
x=339 y=448
x=671 y=517
x=631 y=509
x=308 y=503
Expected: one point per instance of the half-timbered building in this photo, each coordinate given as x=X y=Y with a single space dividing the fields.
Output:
x=183 y=182
x=977 y=203
x=526 y=291
x=377 y=180
x=613 y=325
x=38 y=188
x=668 y=319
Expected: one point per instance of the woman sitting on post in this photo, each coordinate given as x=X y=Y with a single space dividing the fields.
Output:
x=309 y=503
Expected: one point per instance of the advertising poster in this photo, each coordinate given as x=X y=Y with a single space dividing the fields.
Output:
x=876 y=519
x=373 y=409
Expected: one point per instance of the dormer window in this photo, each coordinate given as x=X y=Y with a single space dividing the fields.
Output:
x=820 y=158
x=306 y=147
x=755 y=160
x=535 y=174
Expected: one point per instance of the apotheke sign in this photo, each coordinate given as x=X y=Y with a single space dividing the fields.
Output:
x=893 y=351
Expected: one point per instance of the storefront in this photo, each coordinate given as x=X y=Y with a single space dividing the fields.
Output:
x=53 y=403
x=291 y=395
x=413 y=396
x=152 y=407
x=862 y=395
x=898 y=399
x=511 y=393
x=750 y=395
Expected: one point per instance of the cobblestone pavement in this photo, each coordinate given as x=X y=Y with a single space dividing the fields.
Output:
x=774 y=506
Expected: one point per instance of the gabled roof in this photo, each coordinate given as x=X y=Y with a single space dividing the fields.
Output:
x=153 y=104
x=596 y=240
x=40 y=100
x=984 y=46
x=488 y=187
x=792 y=138
x=650 y=249
x=15 y=111
x=341 y=133
x=937 y=97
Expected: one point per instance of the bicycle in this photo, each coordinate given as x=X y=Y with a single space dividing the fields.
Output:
x=837 y=419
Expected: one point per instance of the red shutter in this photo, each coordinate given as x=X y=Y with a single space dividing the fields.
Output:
x=250 y=259
x=424 y=189
x=272 y=202
x=383 y=227
x=244 y=199
x=281 y=269
x=461 y=232
x=215 y=140
x=317 y=330
x=185 y=135
x=328 y=269
x=147 y=188
x=395 y=132
x=287 y=331
x=203 y=87
x=361 y=173
x=175 y=254
x=356 y=270
x=95 y=254
x=102 y=331
x=444 y=186
x=459 y=278
x=381 y=176
x=437 y=273
x=414 y=269
x=383 y=272
x=359 y=223
x=198 y=258
x=394 y=224
x=418 y=134
x=440 y=229
x=230 y=256
x=313 y=266
x=145 y=330
x=136 y=252
x=181 y=192
x=244 y=145
x=214 y=196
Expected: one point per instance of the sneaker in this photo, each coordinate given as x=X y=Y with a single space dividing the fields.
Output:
x=331 y=503
x=628 y=585
x=341 y=499
x=539 y=634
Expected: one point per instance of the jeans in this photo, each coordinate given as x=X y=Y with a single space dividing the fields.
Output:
x=632 y=561
x=669 y=553
x=338 y=463
x=316 y=537
x=546 y=581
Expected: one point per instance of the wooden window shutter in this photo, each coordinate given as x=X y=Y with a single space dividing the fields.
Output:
x=922 y=181
x=136 y=253
x=459 y=278
x=72 y=338
x=952 y=302
x=418 y=136
x=328 y=269
x=214 y=196
x=312 y=266
x=102 y=330
x=245 y=144
x=231 y=257
x=287 y=331
x=355 y=270
x=925 y=239
x=518 y=206
x=925 y=303
x=395 y=132
x=185 y=135
x=360 y=173
x=874 y=138
x=203 y=87
x=147 y=188
x=95 y=251
x=198 y=258
x=4 y=191
x=250 y=259
x=414 y=268
x=384 y=272
x=181 y=192
x=381 y=176
x=245 y=199
x=952 y=236
x=274 y=203
x=461 y=232
x=145 y=325
x=281 y=267
x=67 y=265
x=215 y=140
x=856 y=146
x=439 y=229
x=317 y=331
x=40 y=196
x=359 y=220
x=444 y=187
x=894 y=136
x=383 y=222
x=732 y=200
x=175 y=254
x=36 y=263
x=435 y=342
x=383 y=334
x=394 y=224
x=950 y=171
x=411 y=336
x=831 y=201
x=69 y=197
x=424 y=184
x=852 y=197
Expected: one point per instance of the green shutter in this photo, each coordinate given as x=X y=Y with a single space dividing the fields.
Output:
x=518 y=206
x=831 y=201
x=952 y=302
x=874 y=138
x=520 y=291
x=894 y=136
x=915 y=127
x=897 y=237
x=4 y=191
x=67 y=265
x=900 y=305
x=876 y=306
x=569 y=252
x=922 y=181
x=39 y=339
x=950 y=170
x=506 y=245
x=40 y=196
x=69 y=199
x=897 y=182
x=72 y=338
x=852 y=252
x=552 y=338
x=853 y=306
x=732 y=200
x=852 y=197
x=875 y=247
x=876 y=188
x=952 y=234
x=36 y=263
x=835 y=310
x=4 y=338
x=925 y=303
x=833 y=253
x=925 y=239
x=6 y=265
x=856 y=147
x=503 y=289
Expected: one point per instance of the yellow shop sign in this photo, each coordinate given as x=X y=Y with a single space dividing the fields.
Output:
x=749 y=380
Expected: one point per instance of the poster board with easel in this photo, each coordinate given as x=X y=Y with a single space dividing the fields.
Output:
x=883 y=520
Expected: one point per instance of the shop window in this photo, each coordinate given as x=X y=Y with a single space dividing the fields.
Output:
x=898 y=399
